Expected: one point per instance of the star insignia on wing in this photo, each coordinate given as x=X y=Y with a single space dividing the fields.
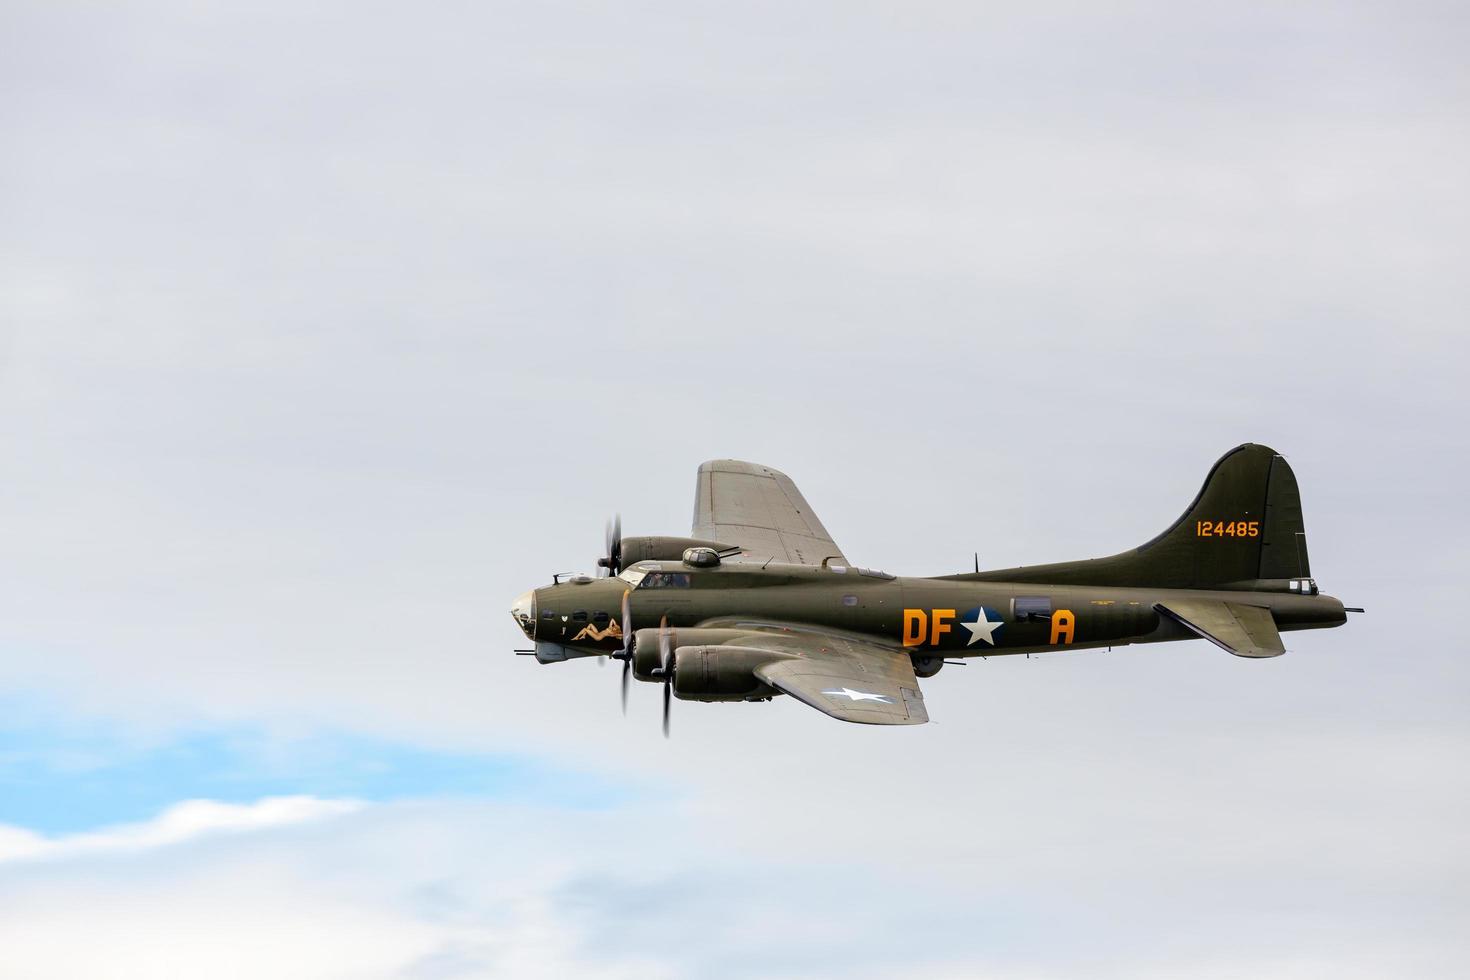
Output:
x=851 y=695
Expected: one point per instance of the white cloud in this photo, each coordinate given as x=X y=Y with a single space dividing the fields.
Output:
x=283 y=887
x=181 y=822
x=486 y=890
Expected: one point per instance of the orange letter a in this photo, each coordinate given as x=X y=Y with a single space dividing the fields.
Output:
x=1063 y=624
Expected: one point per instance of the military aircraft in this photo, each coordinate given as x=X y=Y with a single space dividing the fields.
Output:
x=760 y=601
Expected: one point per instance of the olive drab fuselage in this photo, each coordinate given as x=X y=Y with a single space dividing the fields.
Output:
x=930 y=618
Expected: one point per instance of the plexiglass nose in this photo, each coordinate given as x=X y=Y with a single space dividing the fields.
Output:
x=523 y=611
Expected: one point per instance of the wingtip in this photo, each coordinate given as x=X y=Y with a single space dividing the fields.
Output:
x=737 y=466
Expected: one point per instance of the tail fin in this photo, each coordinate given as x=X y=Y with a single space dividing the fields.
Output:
x=1245 y=525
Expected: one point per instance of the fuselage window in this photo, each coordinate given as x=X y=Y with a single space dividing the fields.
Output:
x=548 y=614
x=873 y=573
x=665 y=580
x=1030 y=607
x=849 y=600
x=580 y=616
x=599 y=619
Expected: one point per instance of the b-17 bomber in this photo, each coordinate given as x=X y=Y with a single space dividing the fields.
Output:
x=760 y=601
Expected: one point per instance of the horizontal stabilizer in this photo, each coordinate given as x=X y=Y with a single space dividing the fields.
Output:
x=1246 y=631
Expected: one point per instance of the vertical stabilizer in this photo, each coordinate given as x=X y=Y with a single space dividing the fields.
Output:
x=1245 y=524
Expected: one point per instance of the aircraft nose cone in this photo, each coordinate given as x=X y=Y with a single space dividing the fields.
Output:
x=523 y=611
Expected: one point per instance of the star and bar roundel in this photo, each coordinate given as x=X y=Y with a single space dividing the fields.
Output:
x=983 y=625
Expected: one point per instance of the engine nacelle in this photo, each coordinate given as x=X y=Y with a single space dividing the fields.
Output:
x=647 y=659
x=721 y=673
x=663 y=549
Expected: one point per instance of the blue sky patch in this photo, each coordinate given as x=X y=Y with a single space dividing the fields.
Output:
x=60 y=778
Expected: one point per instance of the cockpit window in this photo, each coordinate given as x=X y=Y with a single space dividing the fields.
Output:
x=873 y=573
x=632 y=575
x=665 y=580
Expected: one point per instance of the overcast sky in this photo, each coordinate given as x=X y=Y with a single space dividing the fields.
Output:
x=326 y=329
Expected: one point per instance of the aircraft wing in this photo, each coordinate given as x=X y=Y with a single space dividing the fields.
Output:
x=844 y=676
x=760 y=510
x=1246 y=631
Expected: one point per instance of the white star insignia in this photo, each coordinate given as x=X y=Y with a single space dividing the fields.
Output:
x=982 y=628
x=852 y=695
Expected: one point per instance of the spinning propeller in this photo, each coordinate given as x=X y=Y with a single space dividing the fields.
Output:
x=626 y=656
x=611 y=562
x=665 y=667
